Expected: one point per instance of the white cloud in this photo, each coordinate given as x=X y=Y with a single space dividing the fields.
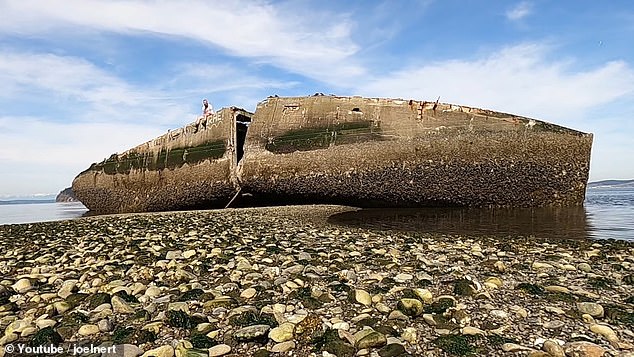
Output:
x=519 y=11
x=519 y=79
x=307 y=42
x=37 y=155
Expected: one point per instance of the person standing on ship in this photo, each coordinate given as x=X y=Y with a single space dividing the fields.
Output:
x=208 y=109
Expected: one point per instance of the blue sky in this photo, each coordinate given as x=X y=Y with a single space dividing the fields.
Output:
x=82 y=79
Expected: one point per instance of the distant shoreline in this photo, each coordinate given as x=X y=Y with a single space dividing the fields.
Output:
x=26 y=201
x=612 y=184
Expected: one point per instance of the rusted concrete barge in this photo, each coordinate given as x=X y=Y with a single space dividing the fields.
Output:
x=351 y=150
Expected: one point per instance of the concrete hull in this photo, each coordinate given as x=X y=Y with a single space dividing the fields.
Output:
x=368 y=153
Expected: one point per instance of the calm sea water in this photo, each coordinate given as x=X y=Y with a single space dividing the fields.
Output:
x=40 y=212
x=607 y=214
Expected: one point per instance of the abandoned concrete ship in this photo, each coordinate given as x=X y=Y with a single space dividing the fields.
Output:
x=364 y=152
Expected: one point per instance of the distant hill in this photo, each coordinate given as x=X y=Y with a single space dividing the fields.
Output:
x=66 y=195
x=612 y=184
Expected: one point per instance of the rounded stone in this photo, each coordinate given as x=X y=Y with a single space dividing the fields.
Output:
x=424 y=295
x=410 y=335
x=88 y=330
x=22 y=286
x=584 y=349
x=605 y=331
x=283 y=332
x=251 y=332
x=219 y=350
x=363 y=297
x=410 y=307
x=494 y=281
x=248 y=293
x=120 y=306
x=283 y=347
x=584 y=267
x=163 y=351
x=554 y=349
x=590 y=308
x=372 y=340
x=554 y=324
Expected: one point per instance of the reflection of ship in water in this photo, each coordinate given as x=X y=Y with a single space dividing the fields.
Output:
x=547 y=222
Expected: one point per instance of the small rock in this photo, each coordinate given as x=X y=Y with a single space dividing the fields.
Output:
x=410 y=307
x=392 y=350
x=251 y=332
x=283 y=347
x=557 y=289
x=219 y=350
x=468 y=330
x=554 y=349
x=45 y=323
x=120 y=306
x=410 y=335
x=61 y=307
x=104 y=325
x=371 y=340
x=584 y=267
x=248 y=293
x=499 y=314
x=424 y=295
x=539 y=266
x=163 y=351
x=583 y=349
x=363 y=297
x=189 y=253
x=590 y=308
x=494 y=281
x=512 y=347
x=173 y=254
x=22 y=286
x=282 y=333
x=28 y=331
x=88 y=330
x=554 y=324
x=604 y=331
x=403 y=277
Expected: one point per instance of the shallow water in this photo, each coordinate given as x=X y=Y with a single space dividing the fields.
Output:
x=607 y=214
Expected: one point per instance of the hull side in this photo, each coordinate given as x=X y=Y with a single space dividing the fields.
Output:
x=188 y=168
x=394 y=153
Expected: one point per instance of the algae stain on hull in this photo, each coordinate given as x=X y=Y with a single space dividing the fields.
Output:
x=323 y=137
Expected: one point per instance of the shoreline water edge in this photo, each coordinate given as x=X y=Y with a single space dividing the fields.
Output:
x=267 y=281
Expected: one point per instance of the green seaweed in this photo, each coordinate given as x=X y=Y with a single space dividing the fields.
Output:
x=46 y=336
x=98 y=299
x=250 y=318
x=601 y=282
x=122 y=335
x=438 y=307
x=202 y=341
x=126 y=297
x=171 y=159
x=330 y=341
x=463 y=287
x=179 y=319
x=192 y=294
x=532 y=289
x=457 y=345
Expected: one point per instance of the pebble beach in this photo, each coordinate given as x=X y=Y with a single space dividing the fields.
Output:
x=288 y=281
